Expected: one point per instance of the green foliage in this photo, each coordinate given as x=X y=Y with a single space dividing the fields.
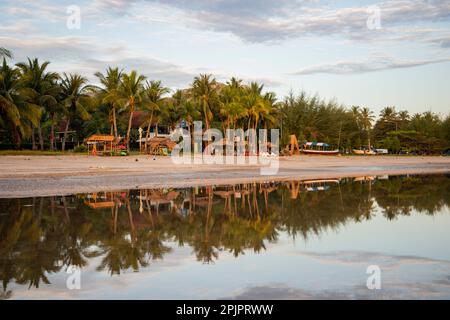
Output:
x=34 y=102
x=311 y=119
x=80 y=149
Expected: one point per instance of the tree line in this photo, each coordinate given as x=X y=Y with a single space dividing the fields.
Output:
x=35 y=102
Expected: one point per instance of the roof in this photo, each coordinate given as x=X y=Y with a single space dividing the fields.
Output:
x=101 y=137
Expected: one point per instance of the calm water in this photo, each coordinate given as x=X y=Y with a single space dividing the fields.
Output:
x=296 y=240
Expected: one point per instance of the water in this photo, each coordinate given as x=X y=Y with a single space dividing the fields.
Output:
x=291 y=240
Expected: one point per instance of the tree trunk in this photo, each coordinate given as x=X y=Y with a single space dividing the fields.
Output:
x=147 y=135
x=114 y=121
x=33 y=141
x=205 y=111
x=41 y=138
x=17 y=138
x=63 y=147
x=129 y=127
x=52 y=133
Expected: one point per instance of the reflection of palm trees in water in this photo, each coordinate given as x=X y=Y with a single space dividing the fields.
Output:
x=5 y=294
x=129 y=246
x=131 y=229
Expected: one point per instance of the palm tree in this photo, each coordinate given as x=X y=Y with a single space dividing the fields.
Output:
x=188 y=109
x=268 y=113
x=76 y=100
x=110 y=92
x=16 y=108
x=154 y=94
x=403 y=118
x=254 y=103
x=44 y=84
x=366 y=118
x=131 y=93
x=229 y=102
x=389 y=115
x=5 y=53
x=204 y=91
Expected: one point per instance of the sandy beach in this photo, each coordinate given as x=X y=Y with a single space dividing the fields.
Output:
x=27 y=176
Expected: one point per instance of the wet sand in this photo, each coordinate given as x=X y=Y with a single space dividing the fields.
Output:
x=27 y=176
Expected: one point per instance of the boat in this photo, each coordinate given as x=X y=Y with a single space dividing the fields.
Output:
x=318 y=148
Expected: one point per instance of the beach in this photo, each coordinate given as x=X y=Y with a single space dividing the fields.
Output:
x=30 y=176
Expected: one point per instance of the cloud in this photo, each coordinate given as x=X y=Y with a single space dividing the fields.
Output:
x=170 y=74
x=434 y=289
x=371 y=65
x=429 y=280
x=39 y=10
x=85 y=55
x=443 y=42
x=17 y=27
x=267 y=20
x=386 y=262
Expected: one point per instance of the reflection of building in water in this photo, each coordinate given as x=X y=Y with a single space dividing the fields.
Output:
x=365 y=178
x=100 y=200
x=319 y=185
x=295 y=187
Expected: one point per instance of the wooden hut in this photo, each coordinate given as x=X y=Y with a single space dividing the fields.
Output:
x=101 y=144
x=160 y=146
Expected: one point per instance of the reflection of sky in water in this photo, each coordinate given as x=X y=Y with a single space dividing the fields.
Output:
x=412 y=252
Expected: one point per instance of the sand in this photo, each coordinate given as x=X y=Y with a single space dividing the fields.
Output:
x=29 y=176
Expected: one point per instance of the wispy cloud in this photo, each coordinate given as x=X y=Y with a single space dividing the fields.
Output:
x=86 y=56
x=369 y=65
x=266 y=20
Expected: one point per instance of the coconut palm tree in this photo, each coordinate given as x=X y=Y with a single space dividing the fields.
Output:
x=110 y=92
x=389 y=115
x=403 y=118
x=267 y=115
x=204 y=91
x=5 y=53
x=44 y=84
x=76 y=99
x=254 y=103
x=154 y=101
x=187 y=109
x=230 y=105
x=234 y=92
x=131 y=93
x=17 y=111
x=366 y=118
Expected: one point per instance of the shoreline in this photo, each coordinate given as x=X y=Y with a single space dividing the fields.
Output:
x=34 y=176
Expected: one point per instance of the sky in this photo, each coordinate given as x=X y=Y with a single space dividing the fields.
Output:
x=367 y=53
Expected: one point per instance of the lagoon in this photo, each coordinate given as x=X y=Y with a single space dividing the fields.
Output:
x=301 y=239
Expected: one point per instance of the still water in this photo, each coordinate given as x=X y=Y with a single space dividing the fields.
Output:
x=284 y=240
